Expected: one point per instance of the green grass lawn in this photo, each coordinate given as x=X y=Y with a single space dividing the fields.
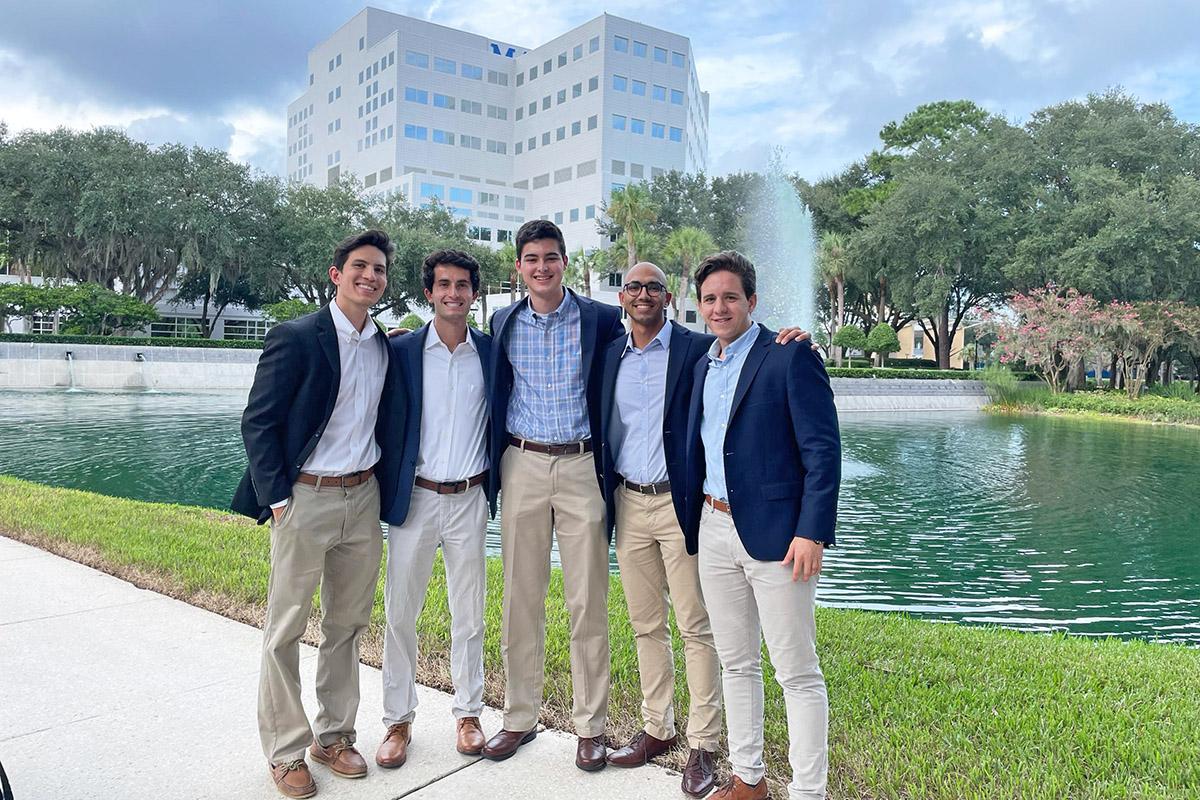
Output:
x=1104 y=403
x=918 y=710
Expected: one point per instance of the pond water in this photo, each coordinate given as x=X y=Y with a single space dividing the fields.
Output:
x=1035 y=523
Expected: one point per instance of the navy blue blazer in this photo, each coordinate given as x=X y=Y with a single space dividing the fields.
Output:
x=295 y=387
x=783 y=452
x=600 y=324
x=687 y=347
x=398 y=463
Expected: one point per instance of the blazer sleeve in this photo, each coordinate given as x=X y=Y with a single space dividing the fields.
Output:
x=815 y=423
x=276 y=381
x=616 y=330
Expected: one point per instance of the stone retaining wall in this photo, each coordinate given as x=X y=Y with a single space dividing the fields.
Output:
x=116 y=367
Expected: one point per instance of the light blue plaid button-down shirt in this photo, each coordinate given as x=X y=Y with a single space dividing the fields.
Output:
x=549 y=396
x=720 y=385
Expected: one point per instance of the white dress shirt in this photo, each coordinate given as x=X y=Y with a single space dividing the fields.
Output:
x=453 y=411
x=640 y=398
x=348 y=444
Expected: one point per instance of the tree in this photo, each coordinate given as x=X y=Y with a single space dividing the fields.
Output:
x=580 y=267
x=411 y=322
x=288 y=309
x=850 y=337
x=832 y=260
x=310 y=222
x=686 y=247
x=882 y=340
x=631 y=209
x=1055 y=330
x=94 y=310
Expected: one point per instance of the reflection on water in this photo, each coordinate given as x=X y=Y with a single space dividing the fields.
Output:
x=1032 y=523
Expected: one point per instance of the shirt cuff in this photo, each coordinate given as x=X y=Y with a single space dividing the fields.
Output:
x=281 y=503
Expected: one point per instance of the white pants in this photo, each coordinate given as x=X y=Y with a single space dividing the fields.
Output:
x=747 y=600
x=457 y=523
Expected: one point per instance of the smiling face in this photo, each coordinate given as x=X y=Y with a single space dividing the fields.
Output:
x=361 y=280
x=643 y=308
x=452 y=295
x=725 y=307
x=541 y=265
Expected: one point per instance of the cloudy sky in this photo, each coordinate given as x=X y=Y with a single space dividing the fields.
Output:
x=817 y=78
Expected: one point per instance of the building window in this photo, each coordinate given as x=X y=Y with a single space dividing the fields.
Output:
x=561 y=97
x=497 y=112
x=574 y=215
x=169 y=327
x=676 y=134
x=518 y=148
x=471 y=142
x=562 y=175
x=620 y=83
x=677 y=97
x=443 y=137
x=443 y=101
x=498 y=78
x=549 y=65
x=494 y=146
x=589 y=212
x=637 y=126
x=445 y=65
x=918 y=348
x=489 y=199
x=414 y=59
x=639 y=88
x=593 y=44
x=533 y=73
x=433 y=191
x=470 y=107
x=677 y=59
x=620 y=44
x=576 y=128
x=416 y=95
x=545 y=138
x=660 y=92
x=660 y=55
x=245 y=329
x=561 y=133
x=616 y=280
x=577 y=53
x=362 y=42
x=593 y=121
x=618 y=122
x=636 y=171
x=531 y=144
x=577 y=90
x=658 y=130
x=520 y=79
x=545 y=102
x=415 y=132
x=618 y=187
x=593 y=83
x=541 y=181
x=520 y=113
x=473 y=72
x=585 y=169
x=618 y=167
x=533 y=108
x=460 y=195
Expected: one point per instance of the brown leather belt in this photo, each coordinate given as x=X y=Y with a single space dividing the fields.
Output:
x=568 y=449
x=647 y=488
x=450 y=487
x=715 y=503
x=344 y=481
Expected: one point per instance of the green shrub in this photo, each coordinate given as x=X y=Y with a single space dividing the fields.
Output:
x=411 y=322
x=850 y=337
x=882 y=340
x=128 y=341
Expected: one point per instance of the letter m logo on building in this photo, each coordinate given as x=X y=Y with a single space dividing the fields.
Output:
x=509 y=52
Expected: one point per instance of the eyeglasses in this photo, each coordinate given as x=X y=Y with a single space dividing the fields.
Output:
x=654 y=289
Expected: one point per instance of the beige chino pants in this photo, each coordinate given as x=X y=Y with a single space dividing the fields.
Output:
x=657 y=573
x=328 y=537
x=546 y=496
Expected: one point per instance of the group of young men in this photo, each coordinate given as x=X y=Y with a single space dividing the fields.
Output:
x=713 y=461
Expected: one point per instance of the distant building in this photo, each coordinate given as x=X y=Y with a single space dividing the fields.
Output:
x=915 y=344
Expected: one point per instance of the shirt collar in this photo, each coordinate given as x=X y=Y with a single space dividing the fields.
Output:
x=432 y=340
x=736 y=348
x=663 y=338
x=562 y=306
x=344 y=327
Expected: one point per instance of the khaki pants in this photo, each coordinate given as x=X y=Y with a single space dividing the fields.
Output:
x=547 y=496
x=330 y=537
x=458 y=524
x=747 y=601
x=657 y=573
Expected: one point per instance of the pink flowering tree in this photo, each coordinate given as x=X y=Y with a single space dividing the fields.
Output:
x=1055 y=330
x=1139 y=332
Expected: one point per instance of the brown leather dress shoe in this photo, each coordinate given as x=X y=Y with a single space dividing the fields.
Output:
x=736 y=789
x=341 y=758
x=641 y=748
x=698 y=775
x=505 y=743
x=589 y=753
x=470 y=736
x=293 y=779
x=393 y=750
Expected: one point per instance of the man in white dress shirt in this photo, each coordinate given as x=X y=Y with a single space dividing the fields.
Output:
x=442 y=491
x=310 y=435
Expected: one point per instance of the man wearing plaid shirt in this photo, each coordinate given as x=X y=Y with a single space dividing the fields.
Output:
x=545 y=379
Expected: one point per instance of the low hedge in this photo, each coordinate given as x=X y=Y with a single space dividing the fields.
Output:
x=1148 y=406
x=129 y=341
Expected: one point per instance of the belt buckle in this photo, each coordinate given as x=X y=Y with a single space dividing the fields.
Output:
x=450 y=486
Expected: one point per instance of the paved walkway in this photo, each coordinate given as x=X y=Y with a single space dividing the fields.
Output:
x=110 y=691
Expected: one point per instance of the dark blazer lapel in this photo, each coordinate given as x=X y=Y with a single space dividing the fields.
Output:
x=327 y=339
x=676 y=358
x=483 y=346
x=754 y=360
x=697 y=406
x=608 y=386
x=587 y=334
x=414 y=350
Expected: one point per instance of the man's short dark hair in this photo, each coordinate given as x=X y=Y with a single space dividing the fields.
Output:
x=450 y=258
x=372 y=238
x=537 y=229
x=728 y=261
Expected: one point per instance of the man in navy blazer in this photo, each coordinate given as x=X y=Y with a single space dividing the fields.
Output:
x=312 y=433
x=765 y=460
x=438 y=470
x=545 y=382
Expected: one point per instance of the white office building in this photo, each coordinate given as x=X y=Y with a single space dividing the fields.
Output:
x=499 y=132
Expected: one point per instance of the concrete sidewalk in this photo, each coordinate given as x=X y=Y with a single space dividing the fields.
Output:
x=110 y=691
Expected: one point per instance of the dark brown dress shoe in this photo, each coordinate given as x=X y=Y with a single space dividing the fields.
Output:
x=505 y=743
x=293 y=779
x=470 y=736
x=641 y=748
x=736 y=789
x=698 y=775
x=393 y=750
x=341 y=758
x=589 y=753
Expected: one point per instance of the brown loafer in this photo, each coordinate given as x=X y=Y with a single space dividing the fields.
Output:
x=641 y=748
x=737 y=789
x=341 y=758
x=470 y=736
x=293 y=779
x=393 y=750
x=505 y=743
x=699 y=774
x=589 y=753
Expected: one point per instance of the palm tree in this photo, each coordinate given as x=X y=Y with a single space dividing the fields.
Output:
x=833 y=259
x=686 y=246
x=508 y=258
x=579 y=271
x=631 y=208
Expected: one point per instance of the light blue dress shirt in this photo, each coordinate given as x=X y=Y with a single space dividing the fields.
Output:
x=720 y=384
x=640 y=400
x=549 y=397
